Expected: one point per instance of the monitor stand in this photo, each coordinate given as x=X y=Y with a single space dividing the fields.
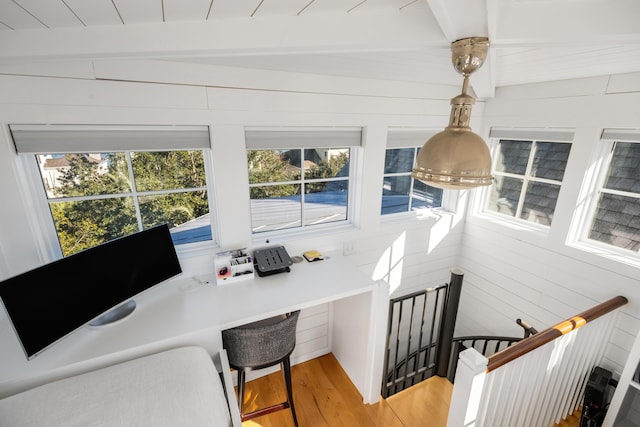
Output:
x=115 y=314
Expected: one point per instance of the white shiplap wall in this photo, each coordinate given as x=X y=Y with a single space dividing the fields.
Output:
x=509 y=273
x=512 y=272
x=411 y=253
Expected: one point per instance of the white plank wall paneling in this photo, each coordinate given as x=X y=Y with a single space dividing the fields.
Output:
x=591 y=86
x=420 y=267
x=513 y=279
x=242 y=100
x=514 y=273
x=157 y=71
x=88 y=101
x=70 y=69
x=621 y=83
x=70 y=92
x=506 y=275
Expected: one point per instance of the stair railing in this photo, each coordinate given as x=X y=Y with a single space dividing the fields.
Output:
x=419 y=335
x=485 y=345
x=535 y=382
x=412 y=336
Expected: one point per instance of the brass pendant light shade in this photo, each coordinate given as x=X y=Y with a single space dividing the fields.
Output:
x=457 y=158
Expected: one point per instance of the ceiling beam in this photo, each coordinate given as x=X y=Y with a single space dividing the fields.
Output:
x=469 y=18
x=227 y=37
x=442 y=13
x=460 y=19
x=486 y=88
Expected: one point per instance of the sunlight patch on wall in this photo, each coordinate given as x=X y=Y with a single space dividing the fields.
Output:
x=389 y=266
x=445 y=222
x=439 y=231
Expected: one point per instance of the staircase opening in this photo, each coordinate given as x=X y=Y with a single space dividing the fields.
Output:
x=420 y=341
x=412 y=340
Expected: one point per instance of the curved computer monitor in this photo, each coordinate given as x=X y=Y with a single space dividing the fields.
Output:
x=49 y=302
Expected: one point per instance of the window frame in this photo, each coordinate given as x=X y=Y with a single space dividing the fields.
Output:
x=603 y=155
x=410 y=211
x=415 y=137
x=288 y=133
x=534 y=136
x=37 y=200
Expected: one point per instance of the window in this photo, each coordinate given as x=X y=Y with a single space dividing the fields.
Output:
x=400 y=192
x=616 y=216
x=299 y=178
x=96 y=191
x=528 y=168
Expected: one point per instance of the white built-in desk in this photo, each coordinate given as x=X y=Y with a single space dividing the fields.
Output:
x=184 y=311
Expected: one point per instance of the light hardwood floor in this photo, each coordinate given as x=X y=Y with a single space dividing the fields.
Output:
x=325 y=397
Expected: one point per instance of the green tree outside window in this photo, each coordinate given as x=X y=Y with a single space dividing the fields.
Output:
x=95 y=198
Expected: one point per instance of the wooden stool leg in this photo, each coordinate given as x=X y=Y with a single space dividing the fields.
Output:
x=286 y=368
x=241 y=379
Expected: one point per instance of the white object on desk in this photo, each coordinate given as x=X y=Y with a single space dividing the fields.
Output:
x=231 y=266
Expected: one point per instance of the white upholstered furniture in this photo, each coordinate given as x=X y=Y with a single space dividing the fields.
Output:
x=173 y=388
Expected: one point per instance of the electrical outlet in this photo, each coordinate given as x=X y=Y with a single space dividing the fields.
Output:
x=349 y=248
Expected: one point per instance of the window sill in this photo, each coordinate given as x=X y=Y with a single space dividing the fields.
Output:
x=512 y=223
x=600 y=250
x=428 y=214
x=188 y=250
x=282 y=236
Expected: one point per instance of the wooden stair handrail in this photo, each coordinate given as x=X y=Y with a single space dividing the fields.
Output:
x=541 y=338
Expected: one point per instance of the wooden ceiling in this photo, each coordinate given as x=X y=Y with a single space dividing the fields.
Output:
x=398 y=40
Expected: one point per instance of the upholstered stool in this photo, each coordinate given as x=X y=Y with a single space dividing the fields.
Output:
x=260 y=345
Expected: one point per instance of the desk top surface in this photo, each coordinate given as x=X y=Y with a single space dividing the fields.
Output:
x=170 y=313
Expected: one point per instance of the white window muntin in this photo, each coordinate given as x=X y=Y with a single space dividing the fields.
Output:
x=72 y=139
x=413 y=138
x=609 y=138
x=533 y=135
x=301 y=139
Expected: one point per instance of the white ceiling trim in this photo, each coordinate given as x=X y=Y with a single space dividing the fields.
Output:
x=442 y=13
x=175 y=72
x=448 y=15
x=255 y=36
x=395 y=40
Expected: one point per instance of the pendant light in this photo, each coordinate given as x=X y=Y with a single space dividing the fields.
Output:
x=457 y=158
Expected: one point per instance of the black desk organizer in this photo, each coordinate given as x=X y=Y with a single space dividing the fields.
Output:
x=270 y=261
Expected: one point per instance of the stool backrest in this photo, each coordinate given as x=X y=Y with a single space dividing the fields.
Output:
x=261 y=344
